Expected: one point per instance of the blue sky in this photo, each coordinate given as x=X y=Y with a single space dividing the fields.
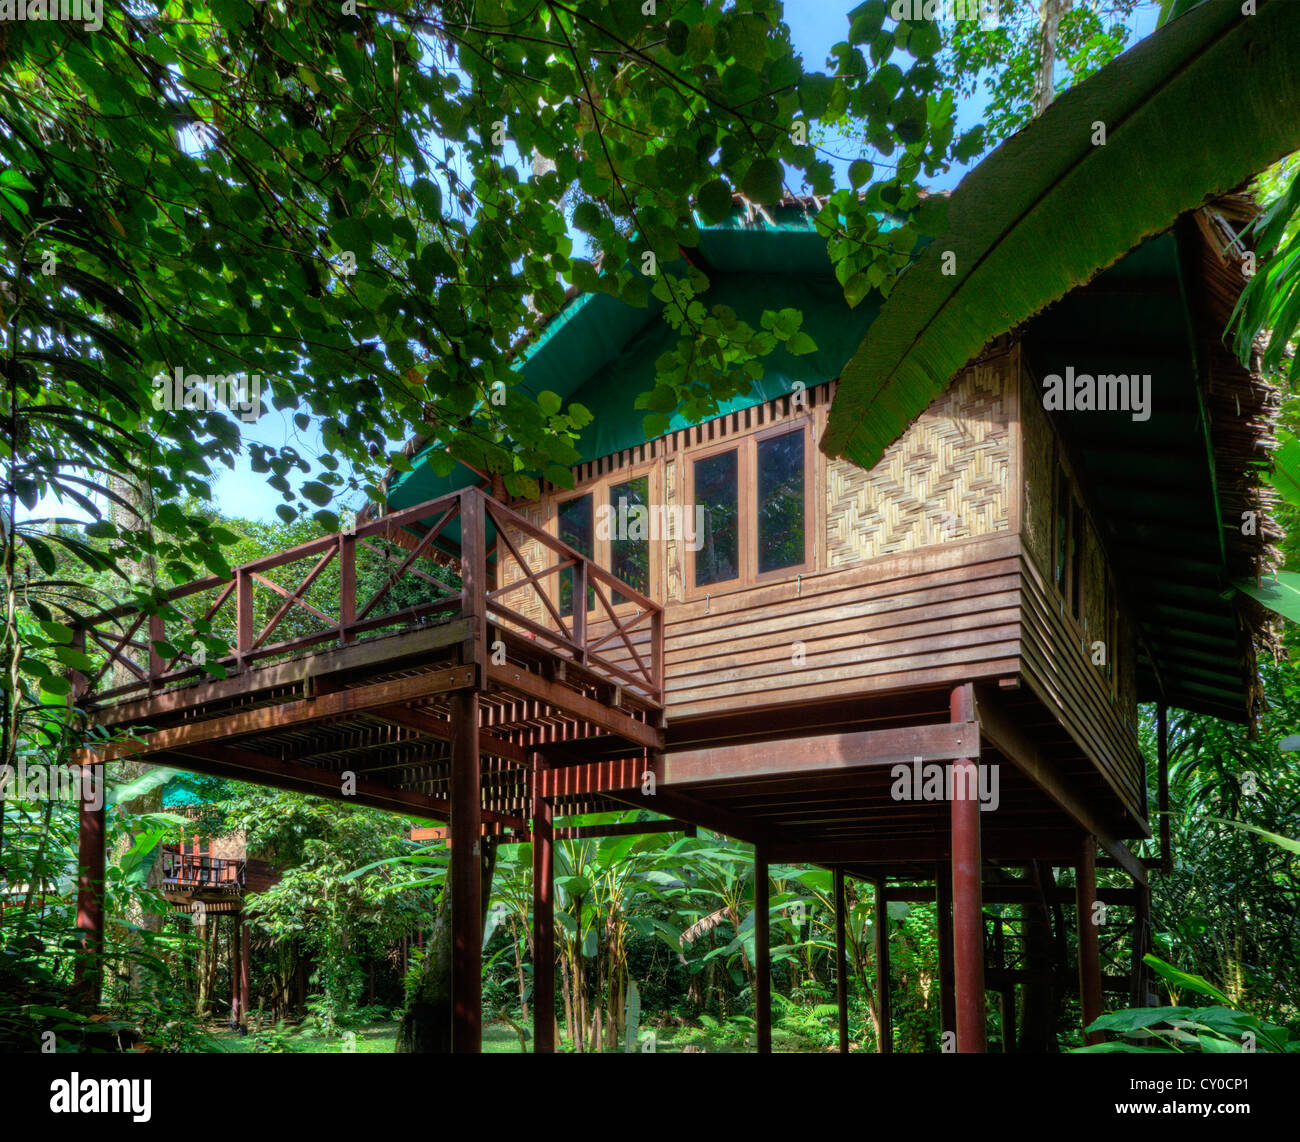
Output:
x=816 y=25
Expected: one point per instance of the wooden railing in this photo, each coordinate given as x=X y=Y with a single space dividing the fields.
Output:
x=615 y=654
x=192 y=870
x=215 y=620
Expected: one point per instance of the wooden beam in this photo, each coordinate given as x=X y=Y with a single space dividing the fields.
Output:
x=1017 y=894
x=620 y=829
x=410 y=648
x=261 y=769
x=821 y=754
x=304 y=711
x=595 y=777
x=998 y=727
x=1002 y=845
x=521 y=681
x=489 y=745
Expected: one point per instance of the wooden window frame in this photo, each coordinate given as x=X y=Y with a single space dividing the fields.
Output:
x=746 y=448
x=599 y=490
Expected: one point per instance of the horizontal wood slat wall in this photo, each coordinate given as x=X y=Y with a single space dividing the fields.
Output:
x=1063 y=676
x=946 y=614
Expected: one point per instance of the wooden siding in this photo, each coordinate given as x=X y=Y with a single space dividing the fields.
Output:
x=931 y=569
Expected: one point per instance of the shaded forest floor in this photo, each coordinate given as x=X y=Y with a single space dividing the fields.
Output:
x=498 y=1039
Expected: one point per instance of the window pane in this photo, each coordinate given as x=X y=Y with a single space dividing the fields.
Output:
x=780 y=502
x=718 y=558
x=575 y=529
x=629 y=544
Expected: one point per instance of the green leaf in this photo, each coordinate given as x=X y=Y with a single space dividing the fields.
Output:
x=1181 y=85
x=764 y=181
x=1280 y=595
x=714 y=200
x=1185 y=980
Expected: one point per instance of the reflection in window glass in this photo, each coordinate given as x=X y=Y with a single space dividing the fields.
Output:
x=716 y=491
x=629 y=542
x=780 y=502
x=575 y=528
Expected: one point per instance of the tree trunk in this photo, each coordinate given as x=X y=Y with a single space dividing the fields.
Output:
x=1038 y=999
x=426 y=1019
x=1049 y=18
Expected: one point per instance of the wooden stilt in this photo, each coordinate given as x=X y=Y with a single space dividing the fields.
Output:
x=967 y=898
x=466 y=876
x=841 y=963
x=1089 y=952
x=762 y=954
x=90 y=882
x=543 y=921
x=884 y=993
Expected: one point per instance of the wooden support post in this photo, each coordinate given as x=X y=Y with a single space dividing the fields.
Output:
x=762 y=954
x=1089 y=952
x=884 y=993
x=466 y=877
x=543 y=920
x=243 y=616
x=943 y=922
x=245 y=970
x=347 y=586
x=90 y=882
x=1162 y=793
x=157 y=633
x=967 y=898
x=841 y=963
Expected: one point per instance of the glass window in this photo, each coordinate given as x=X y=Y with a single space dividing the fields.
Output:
x=716 y=491
x=780 y=502
x=629 y=541
x=576 y=529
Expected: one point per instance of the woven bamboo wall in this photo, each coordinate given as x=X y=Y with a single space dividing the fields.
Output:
x=525 y=600
x=946 y=478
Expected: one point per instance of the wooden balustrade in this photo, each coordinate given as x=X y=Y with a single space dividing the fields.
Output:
x=622 y=643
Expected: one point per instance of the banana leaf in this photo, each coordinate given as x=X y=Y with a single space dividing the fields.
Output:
x=1190 y=112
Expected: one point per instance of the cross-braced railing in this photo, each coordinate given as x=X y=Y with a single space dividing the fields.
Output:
x=194 y=870
x=381 y=577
